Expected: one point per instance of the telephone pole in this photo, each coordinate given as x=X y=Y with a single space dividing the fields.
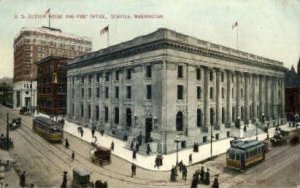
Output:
x=7 y=133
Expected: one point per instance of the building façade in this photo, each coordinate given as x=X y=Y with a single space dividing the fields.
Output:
x=52 y=85
x=166 y=83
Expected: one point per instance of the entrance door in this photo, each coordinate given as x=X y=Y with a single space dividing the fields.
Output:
x=148 y=129
x=27 y=102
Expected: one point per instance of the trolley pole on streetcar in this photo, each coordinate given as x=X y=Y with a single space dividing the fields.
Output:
x=7 y=133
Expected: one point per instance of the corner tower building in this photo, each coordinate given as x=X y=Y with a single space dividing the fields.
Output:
x=32 y=45
x=167 y=83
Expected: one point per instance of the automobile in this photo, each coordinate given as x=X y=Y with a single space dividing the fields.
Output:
x=16 y=122
x=81 y=178
x=24 y=111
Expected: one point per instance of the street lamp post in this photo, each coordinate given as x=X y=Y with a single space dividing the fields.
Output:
x=154 y=123
x=177 y=140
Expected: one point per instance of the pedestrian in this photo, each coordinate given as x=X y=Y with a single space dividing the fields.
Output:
x=202 y=174
x=216 y=183
x=64 y=182
x=184 y=172
x=133 y=170
x=148 y=149
x=134 y=154
x=194 y=182
x=131 y=145
x=67 y=145
x=81 y=132
x=112 y=146
x=23 y=179
x=207 y=178
x=156 y=162
x=73 y=155
x=190 y=159
x=173 y=174
x=180 y=165
x=93 y=131
x=8 y=165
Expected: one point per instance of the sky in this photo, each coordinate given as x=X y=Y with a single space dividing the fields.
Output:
x=268 y=28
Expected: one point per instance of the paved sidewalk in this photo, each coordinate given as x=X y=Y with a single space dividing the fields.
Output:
x=147 y=162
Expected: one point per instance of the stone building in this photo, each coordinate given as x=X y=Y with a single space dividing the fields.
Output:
x=166 y=83
x=32 y=45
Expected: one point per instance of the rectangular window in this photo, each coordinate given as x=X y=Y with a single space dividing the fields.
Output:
x=82 y=92
x=198 y=92
x=116 y=92
x=106 y=114
x=222 y=77
x=204 y=139
x=72 y=109
x=148 y=71
x=106 y=92
x=82 y=79
x=98 y=77
x=90 y=79
x=217 y=136
x=117 y=74
x=211 y=92
x=82 y=110
x=149 y=91
x=228 y=134
x=180 y=92
x=90 y=92
x=98 y=92
x=89 y=111
x=180 y=71
x=128 y=74
x=107 y=76
x=211 y=76
x=223 y=92
x=97 y=112
x=128 y=92
x=198 y=74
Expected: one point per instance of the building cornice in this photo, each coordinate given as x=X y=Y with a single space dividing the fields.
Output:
x=170 y=40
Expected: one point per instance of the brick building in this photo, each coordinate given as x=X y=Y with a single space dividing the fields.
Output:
x=32 y=45
x=52 y=85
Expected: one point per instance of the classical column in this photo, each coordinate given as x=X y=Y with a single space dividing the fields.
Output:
x=206 y=99
x=261 y=99
x=282 y=98
x=273 y=94
x=218 y=100
x=246 y=104
x=238 y=97
x=228 y=98
x=254 y=97
x=267 y=98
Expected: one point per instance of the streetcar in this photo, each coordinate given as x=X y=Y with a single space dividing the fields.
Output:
x=47 y=128
x=243 y=154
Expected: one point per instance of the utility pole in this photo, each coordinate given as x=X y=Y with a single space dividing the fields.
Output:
x=7 y=133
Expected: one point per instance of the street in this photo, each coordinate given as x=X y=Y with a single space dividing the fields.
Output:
x=44 y=164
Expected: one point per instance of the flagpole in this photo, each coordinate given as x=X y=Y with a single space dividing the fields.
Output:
x=108 y=36
x=237 y=37
x=49 y=17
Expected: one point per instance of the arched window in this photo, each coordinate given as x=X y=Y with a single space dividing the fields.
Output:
x=199 y=118
x=116 y=115
x=128 y=117
x=179 y=121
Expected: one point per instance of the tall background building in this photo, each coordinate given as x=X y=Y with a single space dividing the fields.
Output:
x=32 y=45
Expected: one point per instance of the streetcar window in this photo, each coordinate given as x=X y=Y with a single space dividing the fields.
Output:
x=247 y=155
x=231 y=155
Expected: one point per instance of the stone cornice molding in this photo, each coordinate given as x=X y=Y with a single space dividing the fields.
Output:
x=182 y=44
